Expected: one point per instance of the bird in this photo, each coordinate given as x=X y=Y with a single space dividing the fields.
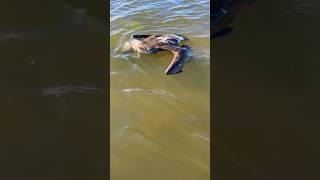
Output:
x=154 y=43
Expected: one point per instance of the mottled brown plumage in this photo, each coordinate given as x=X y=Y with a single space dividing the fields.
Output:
x=149 y=44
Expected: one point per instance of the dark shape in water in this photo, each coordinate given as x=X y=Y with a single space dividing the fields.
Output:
x=150 y=44
x=222 y=14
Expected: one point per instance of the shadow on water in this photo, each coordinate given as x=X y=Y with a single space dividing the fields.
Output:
x=52 y=84
x=266 y=84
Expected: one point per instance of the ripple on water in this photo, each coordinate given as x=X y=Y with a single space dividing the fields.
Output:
x=159 y=92
x=60 y=90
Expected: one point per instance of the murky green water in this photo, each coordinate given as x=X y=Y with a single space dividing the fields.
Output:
x=160 y=125
x=266 y=86
x=52 y=91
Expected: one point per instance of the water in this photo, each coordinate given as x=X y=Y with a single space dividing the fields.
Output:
x=266 y=91
x=52 y=91
x=160 y=125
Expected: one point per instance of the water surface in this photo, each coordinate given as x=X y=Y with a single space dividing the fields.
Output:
x=266 y=91
x=52 y=91
x=160 y=125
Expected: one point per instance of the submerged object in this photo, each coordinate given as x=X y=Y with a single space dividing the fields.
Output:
x=150 y=44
